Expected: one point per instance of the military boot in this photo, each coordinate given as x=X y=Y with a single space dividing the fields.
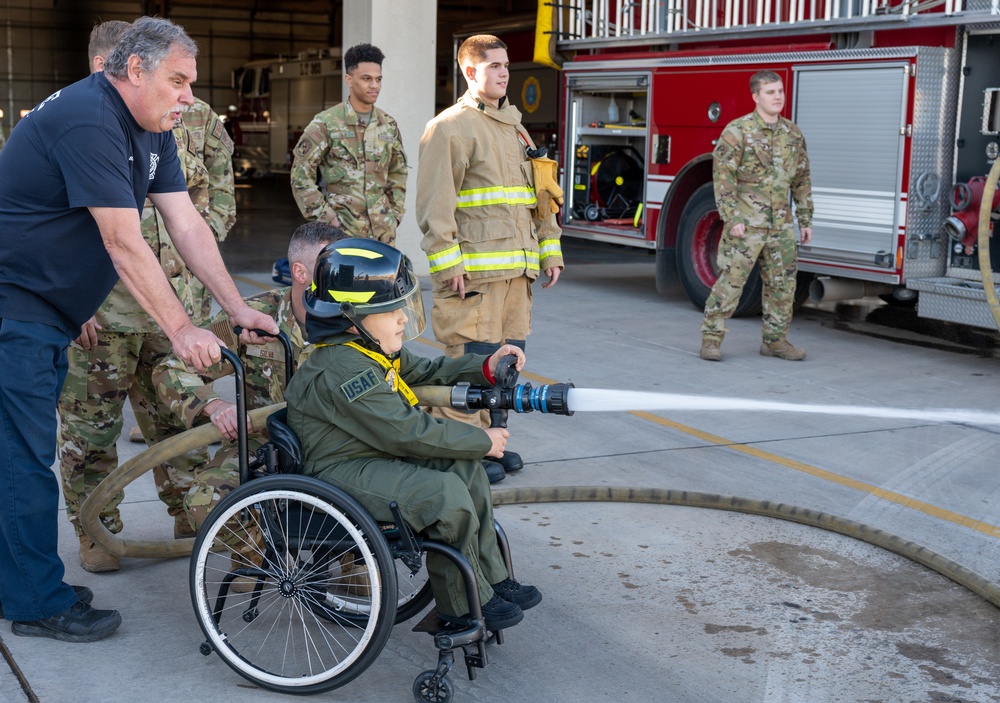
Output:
x=783 y=350
x=354 y=576
x=710 y=349
x=95 y=558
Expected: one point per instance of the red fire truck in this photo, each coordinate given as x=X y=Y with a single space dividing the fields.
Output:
x=898 y=101
x=276 y=99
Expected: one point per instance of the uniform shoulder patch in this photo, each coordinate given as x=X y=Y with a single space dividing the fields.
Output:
x=304 y=146
x=362 y=384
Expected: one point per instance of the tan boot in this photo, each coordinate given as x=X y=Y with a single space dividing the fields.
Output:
x=96 y=559
x=354 y=576
x=783 y=350
x=135 y=435
x=182 y=527
x=244 y=584
x=710 y=350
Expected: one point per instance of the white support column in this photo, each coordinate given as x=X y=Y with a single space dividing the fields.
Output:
x=406 y=32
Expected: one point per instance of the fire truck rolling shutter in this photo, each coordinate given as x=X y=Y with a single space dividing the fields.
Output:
x=851 y=117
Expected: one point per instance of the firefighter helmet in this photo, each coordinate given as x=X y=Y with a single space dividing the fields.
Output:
x=359 y=277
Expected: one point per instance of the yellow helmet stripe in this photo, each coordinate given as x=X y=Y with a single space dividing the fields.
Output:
x=351 y=251
x=345 y=296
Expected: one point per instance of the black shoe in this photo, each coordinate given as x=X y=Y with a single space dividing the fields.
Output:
x=81 y=623
x=494 y=472
x=83 y=594
x=499 y=614
x=510 y=461
x=524 y=596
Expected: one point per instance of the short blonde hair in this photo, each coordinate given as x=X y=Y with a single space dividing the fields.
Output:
x=761 y=77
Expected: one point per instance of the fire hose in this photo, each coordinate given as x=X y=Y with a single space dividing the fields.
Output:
x=985 y=231
x=521 y=398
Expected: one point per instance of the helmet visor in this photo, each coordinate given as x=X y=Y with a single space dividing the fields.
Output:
x=412 y=303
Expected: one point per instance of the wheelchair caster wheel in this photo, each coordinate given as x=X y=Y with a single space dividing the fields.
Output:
x=205 y=648
x=430 y=688
x=250 y=615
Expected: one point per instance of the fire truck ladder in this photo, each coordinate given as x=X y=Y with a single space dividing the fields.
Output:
x=585 y=24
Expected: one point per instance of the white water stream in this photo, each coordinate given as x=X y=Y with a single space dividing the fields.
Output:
x=598 y=400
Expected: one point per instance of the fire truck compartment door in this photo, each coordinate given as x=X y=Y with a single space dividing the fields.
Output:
x=852 y=117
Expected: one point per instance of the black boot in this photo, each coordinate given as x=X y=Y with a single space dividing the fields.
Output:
x=510 y=461
x=494 y=471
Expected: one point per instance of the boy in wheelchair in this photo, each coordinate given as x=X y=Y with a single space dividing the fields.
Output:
x=352 y=408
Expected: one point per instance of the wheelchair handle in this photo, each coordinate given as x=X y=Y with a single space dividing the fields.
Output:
x=285 y=342
x=242 y=442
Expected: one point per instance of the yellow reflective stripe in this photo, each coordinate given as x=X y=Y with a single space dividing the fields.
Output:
x=353 y=251
x=445 y=259
x=550 y=247
x=496 y=195
x=347 y=296
x=501 y=260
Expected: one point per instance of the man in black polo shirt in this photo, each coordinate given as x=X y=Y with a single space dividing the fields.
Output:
x=73 y=178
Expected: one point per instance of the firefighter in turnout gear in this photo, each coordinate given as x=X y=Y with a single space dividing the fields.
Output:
x=485 y=236
x=361 y=430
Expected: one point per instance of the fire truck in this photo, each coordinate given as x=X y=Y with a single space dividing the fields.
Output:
x=897 y=99
x=276 y=99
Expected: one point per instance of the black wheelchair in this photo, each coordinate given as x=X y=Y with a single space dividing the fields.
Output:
x=297 y=588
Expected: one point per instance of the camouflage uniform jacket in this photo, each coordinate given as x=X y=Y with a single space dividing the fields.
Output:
x=754 y=166
x=476 y=202
x=364 y=169
x=206 y=158
x=186 y=394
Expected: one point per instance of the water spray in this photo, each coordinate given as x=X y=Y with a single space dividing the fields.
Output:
x=566 y=399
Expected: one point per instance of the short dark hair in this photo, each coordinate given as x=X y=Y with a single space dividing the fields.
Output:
x=306 y=238
x=473 y=50
x=761 y=77
x=151 y=39
x=104 y=37
x=362 y=53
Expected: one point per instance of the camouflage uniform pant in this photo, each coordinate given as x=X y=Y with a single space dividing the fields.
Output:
x=776 y=250
x=499 y=313
x=90 y=416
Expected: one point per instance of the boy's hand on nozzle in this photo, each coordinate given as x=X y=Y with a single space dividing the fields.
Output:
x=503 y=351
x=498 y=435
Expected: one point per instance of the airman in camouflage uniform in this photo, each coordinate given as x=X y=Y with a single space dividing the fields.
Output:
x=358 y=152
x=128 y=345
x=757 y=161
x=203 y=141
x=188 y=397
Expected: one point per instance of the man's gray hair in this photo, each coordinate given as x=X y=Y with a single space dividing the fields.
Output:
x=151 y=39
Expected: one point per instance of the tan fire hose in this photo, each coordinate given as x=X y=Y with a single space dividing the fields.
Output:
x=206 y=434
x=985 y=267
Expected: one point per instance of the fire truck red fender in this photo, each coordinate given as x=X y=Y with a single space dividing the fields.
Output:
x=694 y=174
x=985 y=231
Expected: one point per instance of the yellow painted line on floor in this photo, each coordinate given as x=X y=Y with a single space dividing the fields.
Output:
x=891 y=496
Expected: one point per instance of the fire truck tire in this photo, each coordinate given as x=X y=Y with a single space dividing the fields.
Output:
x=697 y=251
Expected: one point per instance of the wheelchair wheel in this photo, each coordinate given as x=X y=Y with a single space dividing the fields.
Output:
x=269 y=613
x=413 y=590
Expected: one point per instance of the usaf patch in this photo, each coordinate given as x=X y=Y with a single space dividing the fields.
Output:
x=360 y=385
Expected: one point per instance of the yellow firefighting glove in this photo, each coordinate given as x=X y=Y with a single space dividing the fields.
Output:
x=547 y=190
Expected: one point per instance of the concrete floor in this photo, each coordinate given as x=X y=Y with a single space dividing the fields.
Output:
x=649 y=602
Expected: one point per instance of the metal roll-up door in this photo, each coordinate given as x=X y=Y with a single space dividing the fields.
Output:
x=852 y=118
